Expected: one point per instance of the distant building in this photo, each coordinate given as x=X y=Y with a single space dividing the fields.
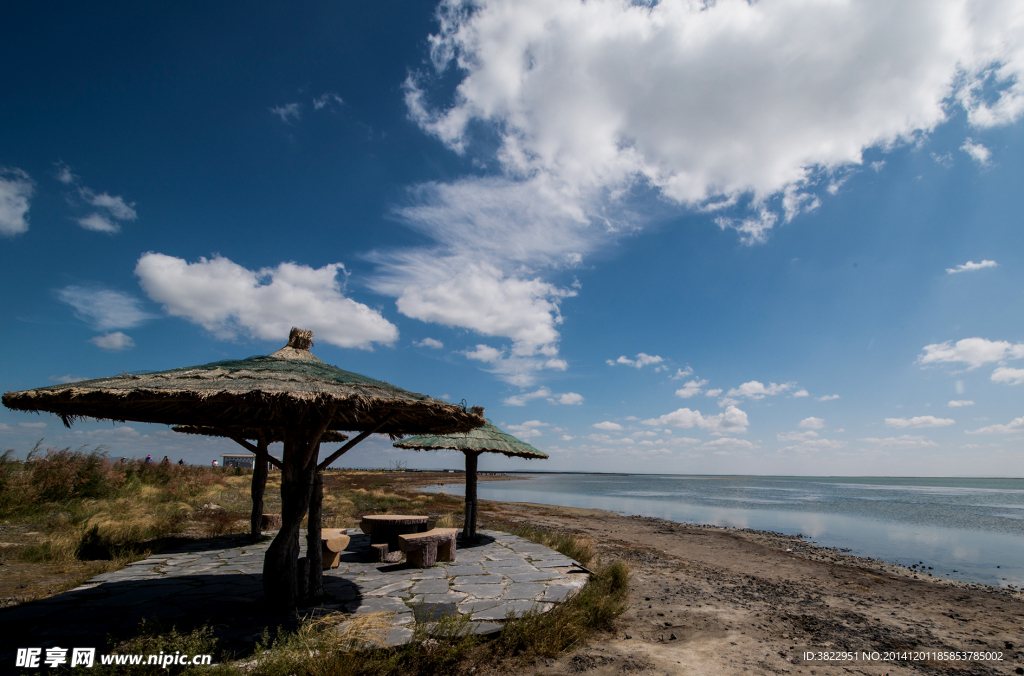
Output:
x=246 y=460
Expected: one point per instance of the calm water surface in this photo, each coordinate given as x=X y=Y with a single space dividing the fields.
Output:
x=967 y=529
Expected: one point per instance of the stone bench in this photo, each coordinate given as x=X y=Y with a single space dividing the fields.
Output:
x=333 y=542
x=426 y=549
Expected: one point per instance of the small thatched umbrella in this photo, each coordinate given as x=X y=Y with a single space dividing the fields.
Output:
x=486 y=439
x=290 y=390
x=263 y=439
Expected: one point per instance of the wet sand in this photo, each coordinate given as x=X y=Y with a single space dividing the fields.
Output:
x=708 y=600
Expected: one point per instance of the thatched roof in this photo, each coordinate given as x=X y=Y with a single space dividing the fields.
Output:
x=486 y=439
x=251 y=433
x=274 y=391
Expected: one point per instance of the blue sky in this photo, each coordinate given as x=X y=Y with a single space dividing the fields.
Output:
x=773 y=238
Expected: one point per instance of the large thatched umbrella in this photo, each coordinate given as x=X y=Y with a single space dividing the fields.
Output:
x=263 y=439
x=289 y=390
x=486 y=439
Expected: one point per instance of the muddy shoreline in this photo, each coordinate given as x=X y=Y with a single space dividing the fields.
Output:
x=706 y=599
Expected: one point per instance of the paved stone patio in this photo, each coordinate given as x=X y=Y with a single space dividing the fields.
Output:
x=218 y=582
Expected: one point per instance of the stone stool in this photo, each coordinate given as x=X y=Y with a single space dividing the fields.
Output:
x=333 y=542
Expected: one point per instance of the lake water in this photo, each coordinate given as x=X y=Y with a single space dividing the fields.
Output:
x=966 y=529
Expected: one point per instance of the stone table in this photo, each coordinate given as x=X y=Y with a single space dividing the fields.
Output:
x=384 y=530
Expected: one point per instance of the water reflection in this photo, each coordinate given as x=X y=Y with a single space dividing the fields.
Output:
x=967 y=525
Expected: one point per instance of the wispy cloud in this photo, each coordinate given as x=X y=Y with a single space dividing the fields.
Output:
x=957 y=403
x=828 y=397
x=104 y=309
x=904 y=441
x=432 y=343
x=639 y=362
x=970 y=266
x=67 y=379
x=112 y=208
x=1016 y=425
x=565 y=398
x=16 y=190
x=919 y=421
x=289 y=112
x=327 y=100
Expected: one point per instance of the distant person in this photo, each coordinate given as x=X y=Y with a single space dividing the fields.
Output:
x=214 y=463
x=181 y=462
x=165 y=461
x=149 y=459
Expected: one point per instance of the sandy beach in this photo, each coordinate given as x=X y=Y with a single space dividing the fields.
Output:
x=708 y=600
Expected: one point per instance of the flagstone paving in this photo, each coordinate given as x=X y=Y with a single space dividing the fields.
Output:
x=219 y=582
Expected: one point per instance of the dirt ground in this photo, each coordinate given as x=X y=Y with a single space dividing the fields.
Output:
x=709 y=600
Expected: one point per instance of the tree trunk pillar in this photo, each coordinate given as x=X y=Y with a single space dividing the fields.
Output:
x=280 y=566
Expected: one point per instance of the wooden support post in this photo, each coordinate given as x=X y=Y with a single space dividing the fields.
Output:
x=469 y=527
x=314 y=542
x=258 y=488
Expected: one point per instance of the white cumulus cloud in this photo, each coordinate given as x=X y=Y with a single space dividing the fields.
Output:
x=691 y=388
x=228 y=299
x=114 y=342
x=1010 y=376
x=682 y=373
x=919 y=421
x=828 y=397
x=977 y=151
x=971 y=351
x=528 y=429
x=970 y=266
x=639 y=362
x=757 y=390
x=957 y=403
x=608 y=426
x=749 y=110
x=570 y=399
x=708 y=102
x=730 y=421
x=16 y=190
x=464 y=290
x=430 y=342
x=812 y=423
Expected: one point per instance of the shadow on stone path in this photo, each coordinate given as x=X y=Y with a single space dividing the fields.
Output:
x=218 y=582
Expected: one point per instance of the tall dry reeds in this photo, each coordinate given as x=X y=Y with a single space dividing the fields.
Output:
x=91 y=507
